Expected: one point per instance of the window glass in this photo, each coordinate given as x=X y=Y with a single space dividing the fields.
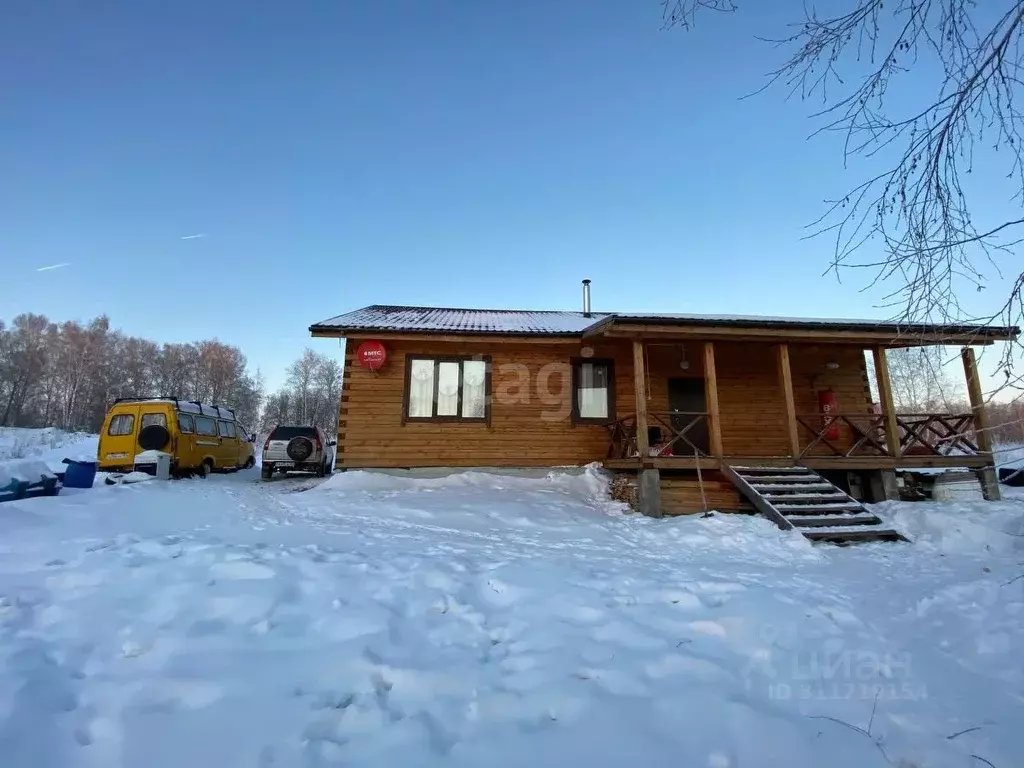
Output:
x=185 y=423
x=287 y=433
x=474 y=395
x=421 y=389
x=227 y=429
x=154 y=418
x=447 y=389
x=122 y=424
x=206 y=426
x=592 y=393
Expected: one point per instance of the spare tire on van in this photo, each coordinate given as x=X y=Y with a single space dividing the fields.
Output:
x=154 y=437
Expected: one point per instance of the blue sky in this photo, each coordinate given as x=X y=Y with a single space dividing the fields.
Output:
x=447 y=152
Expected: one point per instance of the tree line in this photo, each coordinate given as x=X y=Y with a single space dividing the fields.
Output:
x=66 y=375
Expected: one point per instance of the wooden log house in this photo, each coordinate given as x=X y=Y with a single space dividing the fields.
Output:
x=672 y=401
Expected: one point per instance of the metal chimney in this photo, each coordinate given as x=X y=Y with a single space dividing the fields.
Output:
x=586 y=298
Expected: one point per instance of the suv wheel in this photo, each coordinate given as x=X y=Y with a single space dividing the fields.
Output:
x=267 y=471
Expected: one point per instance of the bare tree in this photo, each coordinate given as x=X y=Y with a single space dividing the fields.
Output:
x=915 y=223
x=66 y=375
x=310 y=395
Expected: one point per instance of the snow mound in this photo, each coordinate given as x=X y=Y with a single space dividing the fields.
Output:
x=49 y=445
x=980 y=528
x=28 y=471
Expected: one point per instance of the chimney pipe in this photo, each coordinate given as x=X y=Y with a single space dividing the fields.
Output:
x=586 y=298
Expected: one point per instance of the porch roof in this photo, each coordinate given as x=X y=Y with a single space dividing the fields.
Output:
x=391 y=319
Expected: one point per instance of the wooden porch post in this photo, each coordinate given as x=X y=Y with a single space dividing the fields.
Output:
x=892 y=431
x=786 y=384
x=977 y=400
x=640 y=388
x=711 y=393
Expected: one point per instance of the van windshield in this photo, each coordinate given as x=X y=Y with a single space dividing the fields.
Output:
x=287 y=433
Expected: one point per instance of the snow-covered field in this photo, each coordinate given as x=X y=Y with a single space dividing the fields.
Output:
x=484 y=620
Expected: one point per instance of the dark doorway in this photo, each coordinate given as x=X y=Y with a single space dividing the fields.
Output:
x=686 y=396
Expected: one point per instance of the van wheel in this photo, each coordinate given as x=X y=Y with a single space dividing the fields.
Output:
x=205 y=468
x=249 y=463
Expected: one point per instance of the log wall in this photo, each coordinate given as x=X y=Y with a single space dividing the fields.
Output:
x=530 y=423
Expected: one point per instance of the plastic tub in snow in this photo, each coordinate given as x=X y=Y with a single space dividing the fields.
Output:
x=79 y=474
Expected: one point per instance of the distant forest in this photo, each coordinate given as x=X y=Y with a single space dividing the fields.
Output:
x=66 y=374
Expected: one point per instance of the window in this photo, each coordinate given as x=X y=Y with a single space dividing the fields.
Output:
x=185 y=424
x=206 y=426
x=287 y=433
x=154 y=418
x=122 y=424
x=447 y=388
x=227 y=429
x=593 y=391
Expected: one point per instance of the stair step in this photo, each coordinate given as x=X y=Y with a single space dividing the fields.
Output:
x=768 y=487
x=828 y=521
x=777 y=470
x=795 y=479
x=819 y=509
x=809 y=498
x=855 y=534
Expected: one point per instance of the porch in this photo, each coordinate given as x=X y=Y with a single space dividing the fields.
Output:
x=704 y=406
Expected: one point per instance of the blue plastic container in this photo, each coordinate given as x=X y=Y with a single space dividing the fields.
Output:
x=79 y=474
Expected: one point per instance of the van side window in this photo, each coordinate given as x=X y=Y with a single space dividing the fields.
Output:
x=227 y=429
x=185 y=424
x=122 y=424
x=206 y=426
x=154 y=418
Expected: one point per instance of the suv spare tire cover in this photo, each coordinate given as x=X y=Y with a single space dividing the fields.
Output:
x=300 y=448
x=154 y=437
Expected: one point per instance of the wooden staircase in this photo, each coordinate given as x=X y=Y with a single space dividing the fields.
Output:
x=797 y=497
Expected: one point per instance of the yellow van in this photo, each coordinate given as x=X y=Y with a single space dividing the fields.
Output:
x=200 y=438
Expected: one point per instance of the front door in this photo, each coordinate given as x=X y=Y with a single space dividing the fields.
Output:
x=686 y=396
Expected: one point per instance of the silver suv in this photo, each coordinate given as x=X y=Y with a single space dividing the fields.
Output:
x=297 y=449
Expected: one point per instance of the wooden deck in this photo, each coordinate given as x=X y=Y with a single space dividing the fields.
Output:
x=975 y=461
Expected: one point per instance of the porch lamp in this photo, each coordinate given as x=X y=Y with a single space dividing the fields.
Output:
x=832 y=365
x=684 y=364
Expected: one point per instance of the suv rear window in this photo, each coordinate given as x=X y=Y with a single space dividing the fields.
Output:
x=287 y=433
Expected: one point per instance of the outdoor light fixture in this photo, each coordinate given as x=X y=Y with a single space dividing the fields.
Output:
x=832 y=365
x=684 y=364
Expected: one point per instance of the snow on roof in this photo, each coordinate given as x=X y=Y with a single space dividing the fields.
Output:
x=187 y=406
x=385 y=318
x=380 y=317
x=903 y=326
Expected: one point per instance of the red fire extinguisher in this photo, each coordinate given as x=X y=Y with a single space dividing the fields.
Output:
x=827 y=407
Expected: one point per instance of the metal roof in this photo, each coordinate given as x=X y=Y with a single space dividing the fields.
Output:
x=901 y=327
x=381 y=317
x=515 y=322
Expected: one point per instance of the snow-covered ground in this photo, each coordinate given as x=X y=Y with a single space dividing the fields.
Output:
x=483 y=620
x=51 y=446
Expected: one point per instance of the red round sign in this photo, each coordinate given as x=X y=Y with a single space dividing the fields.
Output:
x=371 y=355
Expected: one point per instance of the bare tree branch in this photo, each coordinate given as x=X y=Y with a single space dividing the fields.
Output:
x=919 y=221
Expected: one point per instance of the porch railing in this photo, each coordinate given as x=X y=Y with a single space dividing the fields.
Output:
x=845 y=435
x=679 y=432
x=863 y=434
